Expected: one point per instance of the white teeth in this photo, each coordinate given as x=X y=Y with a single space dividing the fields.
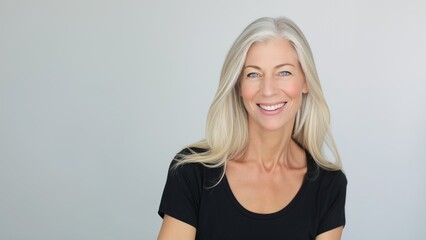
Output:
x=271 y=107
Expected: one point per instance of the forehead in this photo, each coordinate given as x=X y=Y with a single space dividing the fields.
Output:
x=272 y=51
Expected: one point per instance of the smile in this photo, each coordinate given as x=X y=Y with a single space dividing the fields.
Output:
x=272 y=107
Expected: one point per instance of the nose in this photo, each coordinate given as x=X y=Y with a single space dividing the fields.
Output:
x=269 y=86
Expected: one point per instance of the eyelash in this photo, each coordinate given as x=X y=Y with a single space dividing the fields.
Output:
x=280 y=74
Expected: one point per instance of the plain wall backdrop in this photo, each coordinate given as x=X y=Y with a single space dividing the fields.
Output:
x=96 y=97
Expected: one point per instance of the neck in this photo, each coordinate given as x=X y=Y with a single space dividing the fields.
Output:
x=273 y=148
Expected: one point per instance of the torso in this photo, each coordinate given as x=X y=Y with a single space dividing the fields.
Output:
x=220 y=212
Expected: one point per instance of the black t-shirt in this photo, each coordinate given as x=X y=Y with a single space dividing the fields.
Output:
x=319 y=205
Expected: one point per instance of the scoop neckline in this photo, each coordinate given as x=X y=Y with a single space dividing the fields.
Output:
x=283 y=211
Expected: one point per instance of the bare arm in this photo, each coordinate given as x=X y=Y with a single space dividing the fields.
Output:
x=334 y=234
x=173 y=228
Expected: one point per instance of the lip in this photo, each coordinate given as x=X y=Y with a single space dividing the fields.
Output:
x=262 y=107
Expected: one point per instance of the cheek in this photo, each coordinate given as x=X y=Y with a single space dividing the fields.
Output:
x=248 y=91
x=293 y=90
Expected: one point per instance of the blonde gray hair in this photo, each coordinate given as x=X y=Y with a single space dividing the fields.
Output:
x=227 y=125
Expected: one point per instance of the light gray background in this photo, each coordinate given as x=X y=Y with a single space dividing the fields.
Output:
x=96 y=97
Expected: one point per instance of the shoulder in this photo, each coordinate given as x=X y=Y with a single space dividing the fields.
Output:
x=331 y=198
x=183 y=189
x=331 y=186
x=322 y=175
x=193 y=172
x=177 y=167
x=329 y=177
x=180 y=156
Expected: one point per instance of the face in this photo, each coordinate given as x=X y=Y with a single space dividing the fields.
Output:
x=272 y=84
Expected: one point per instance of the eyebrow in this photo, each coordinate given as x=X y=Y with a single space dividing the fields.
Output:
x=278 y=66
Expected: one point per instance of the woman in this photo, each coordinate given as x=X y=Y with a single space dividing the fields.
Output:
x=260 y=172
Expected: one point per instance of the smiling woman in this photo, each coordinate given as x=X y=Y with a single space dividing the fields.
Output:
x=272 y=85
x=260 y=173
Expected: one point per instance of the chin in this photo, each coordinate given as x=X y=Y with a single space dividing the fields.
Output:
x=273 y=127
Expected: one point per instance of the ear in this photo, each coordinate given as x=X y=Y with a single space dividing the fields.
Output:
x=305 y=88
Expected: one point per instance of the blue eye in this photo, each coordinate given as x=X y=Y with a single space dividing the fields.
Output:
x=284 y=73
x=253 y=75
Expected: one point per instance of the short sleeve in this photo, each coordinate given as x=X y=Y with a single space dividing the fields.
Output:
x=333 y=198
x=181 y=195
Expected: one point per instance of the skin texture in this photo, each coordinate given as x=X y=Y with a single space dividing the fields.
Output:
x=271 y=77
